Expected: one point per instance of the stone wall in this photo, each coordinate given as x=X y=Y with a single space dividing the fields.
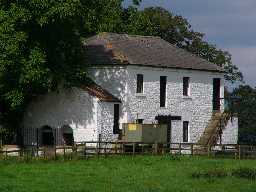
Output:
x=113 y=79
x=105 y=121
x=73 y=107
x=195 y=108
x=230 y=133
x=88 y=117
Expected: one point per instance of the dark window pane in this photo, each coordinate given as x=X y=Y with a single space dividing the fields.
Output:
x=163 y=80
x=139 y=121
x=216 y=94
x=185 y=131
x=116 y=119
x=185 y=86
x=139 y=83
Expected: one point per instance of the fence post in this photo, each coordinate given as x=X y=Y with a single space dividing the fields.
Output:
x=163 y=149
x=64 y=151
x=37 y=143
x=105 y=150
x=55 y=152
x=239 y=151
x=123 y=150
x=209 y=150
x=156 y=148
x=133 y=149
x=6 y=153
x=44 y=151
x=75 y=149
x=192 y=149
x=179 y=148
x=98 y=148
x=116 y=148
x=55 y=144
x=85 y=150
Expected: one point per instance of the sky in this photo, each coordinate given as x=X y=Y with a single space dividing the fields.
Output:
x=229 y=24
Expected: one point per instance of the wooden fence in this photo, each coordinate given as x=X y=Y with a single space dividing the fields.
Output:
x=88 y=149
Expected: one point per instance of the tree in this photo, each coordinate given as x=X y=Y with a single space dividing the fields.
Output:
x=40 y=46
x=246 y=113
x=175 y=29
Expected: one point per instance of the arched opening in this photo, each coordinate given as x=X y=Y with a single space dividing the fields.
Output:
x=47 y=136
x=67 y=134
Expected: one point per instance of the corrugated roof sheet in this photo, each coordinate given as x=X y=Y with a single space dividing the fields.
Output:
x=114 y=49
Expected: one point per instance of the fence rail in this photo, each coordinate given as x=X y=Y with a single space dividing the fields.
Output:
x=92 y=148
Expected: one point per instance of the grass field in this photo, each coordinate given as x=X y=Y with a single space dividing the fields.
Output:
x=126 y=174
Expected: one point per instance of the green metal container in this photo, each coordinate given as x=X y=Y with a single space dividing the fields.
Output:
x=146 y=133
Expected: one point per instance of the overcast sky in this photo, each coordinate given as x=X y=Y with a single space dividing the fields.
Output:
x=229 y=24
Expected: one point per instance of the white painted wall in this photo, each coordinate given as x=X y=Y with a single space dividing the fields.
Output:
x=88 y=117
x=105 y=122
x=114 y=80
x=197 y=108
x=230 y=133
x=73 y=107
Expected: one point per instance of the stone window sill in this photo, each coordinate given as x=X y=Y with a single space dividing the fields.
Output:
x=187 y=97
x=140 y=95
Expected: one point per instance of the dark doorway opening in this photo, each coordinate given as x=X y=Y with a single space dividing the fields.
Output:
x=216 y=94
x=47 y=136
x=167 y=119
x=67 y=134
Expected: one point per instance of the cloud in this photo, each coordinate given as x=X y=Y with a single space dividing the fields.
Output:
x=225 y=22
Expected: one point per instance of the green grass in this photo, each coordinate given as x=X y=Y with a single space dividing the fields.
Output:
x=124 y=174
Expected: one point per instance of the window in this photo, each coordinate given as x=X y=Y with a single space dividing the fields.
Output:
x=139 y=83
x=163 y=80
x=185 y=131
x=116 y=119
x=186 y=86
x=216 y=94
x=139 y=121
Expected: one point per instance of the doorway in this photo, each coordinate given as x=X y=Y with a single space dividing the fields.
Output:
x=67 y=135
x=47 y=136
x=167 y=121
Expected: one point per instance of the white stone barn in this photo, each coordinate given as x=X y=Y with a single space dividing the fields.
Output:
x=137 y=79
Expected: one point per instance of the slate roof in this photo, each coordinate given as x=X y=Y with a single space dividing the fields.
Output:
x=102 y=94
x=123 y=49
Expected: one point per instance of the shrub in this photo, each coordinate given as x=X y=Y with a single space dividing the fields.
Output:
x=247 y=173
x=216 y=173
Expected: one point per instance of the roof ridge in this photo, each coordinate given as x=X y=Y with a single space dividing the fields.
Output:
x=129 y=35
x=194 y=55
x=135 y=49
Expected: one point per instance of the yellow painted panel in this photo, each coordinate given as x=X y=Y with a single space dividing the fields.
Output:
x=132 y=127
